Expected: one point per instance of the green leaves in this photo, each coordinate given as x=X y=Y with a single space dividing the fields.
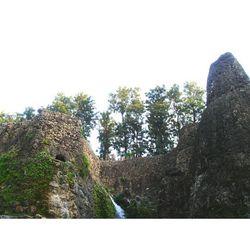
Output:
x=153 y=126
x=28 y=113
x=25 y=182
x=193 y=101
x=85 y=111
x=168 y=111
x=63 y=104
x=129 y=132
x=81 y=106
x=106 y=134
x=158 y=118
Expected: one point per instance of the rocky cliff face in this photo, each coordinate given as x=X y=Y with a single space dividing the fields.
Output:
x=221 y=162
x=48 y=170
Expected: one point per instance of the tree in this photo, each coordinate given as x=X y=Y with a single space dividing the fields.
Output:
x=175 y=99
x=135 y=123
x=118 y=103
x=158 y=118
x=106 y=134
x=129 y=131
x=193 y=102
x=5 y=117
x=28 y=113
x=85 y=111
x=63 y=104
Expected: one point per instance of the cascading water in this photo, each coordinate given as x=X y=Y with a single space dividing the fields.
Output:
x=118 y=210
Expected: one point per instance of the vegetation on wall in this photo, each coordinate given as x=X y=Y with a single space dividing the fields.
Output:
x=86 y=165
x=139 y=207
x=103 y=206
x=25 y=184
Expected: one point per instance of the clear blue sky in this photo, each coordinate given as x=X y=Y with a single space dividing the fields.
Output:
x=94 y=46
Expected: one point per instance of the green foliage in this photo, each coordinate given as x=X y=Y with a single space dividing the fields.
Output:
x=136 y=208
x=85 y=111
x=63 y=104
x=28 y=113
x=86 y=161
x=158 y=120
x=25 y=183
x=176 y=114
x=4 y=117
x=70 y=178
x=103 y=206
x=120 y=100
x=193 y=102
x=81 y=106
x=106 y=134
x=86 y=165
x=45 y=141
x=129 y=133
x=141 y=209
x=168 y=111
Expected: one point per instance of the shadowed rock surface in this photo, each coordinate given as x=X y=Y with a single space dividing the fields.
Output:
x=221 y=162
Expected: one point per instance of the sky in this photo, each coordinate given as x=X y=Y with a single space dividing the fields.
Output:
x=95 y=46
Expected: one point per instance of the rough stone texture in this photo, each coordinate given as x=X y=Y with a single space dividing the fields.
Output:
x=139 y=176
x=162 y=179
x=70 y=194
x=225 y=75
x=70 y=199
x=221 y=160
x=174 y=192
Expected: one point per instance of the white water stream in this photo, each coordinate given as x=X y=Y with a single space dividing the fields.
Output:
x=118 y=210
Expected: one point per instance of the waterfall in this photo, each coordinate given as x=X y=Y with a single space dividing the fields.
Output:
x=118 y=210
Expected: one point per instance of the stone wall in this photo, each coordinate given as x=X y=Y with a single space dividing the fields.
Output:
x=152 y=177
x=139 y=176
x=49 y=159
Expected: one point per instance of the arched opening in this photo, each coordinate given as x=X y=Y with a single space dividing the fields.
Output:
x=61 y=157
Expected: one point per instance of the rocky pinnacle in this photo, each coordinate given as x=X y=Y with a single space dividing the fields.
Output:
x=225 y=74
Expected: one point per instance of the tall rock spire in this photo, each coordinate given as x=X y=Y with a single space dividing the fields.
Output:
x=225 y=74
x=221 y=158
